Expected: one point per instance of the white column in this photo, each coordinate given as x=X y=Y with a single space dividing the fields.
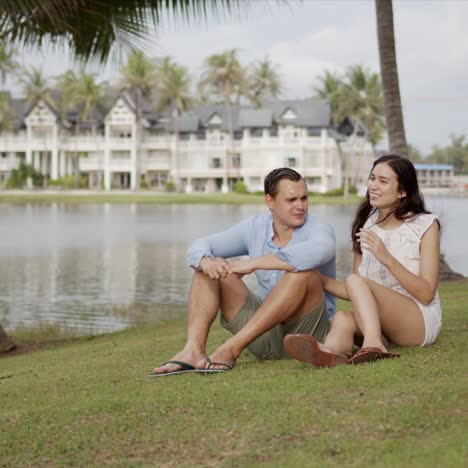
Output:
x=133 y=158
x=28 y=145
x=29 y=153
x=54 y=167
x=107 y=172
x=323 y=151
x=37 y=161
x=62 y=168
x=188 y=187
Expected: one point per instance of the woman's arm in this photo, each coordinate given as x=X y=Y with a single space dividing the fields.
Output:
x=337 y=288
x=422 y=286
x=357 y=263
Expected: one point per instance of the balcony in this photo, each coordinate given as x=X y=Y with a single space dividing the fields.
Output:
x=121 y=143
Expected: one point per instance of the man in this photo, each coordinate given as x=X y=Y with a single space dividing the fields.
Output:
x=287 y=249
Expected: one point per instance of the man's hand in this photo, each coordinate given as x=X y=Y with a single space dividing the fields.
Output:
x=215 y=268
x=242 y=267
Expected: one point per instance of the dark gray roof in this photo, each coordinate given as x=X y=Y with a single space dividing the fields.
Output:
x=189 y=123
x=255 y=118
x=311 y=113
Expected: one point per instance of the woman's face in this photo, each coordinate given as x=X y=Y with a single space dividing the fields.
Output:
x=383 y=187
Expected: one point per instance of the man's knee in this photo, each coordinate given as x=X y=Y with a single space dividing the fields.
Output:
x=308 y=277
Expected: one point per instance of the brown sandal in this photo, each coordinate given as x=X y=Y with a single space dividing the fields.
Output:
x=371 y=354
x=305 y=348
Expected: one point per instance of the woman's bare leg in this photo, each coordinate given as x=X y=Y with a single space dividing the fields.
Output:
x=378 y=310
x=340 y=339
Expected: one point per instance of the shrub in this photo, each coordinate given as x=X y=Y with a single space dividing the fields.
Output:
x=169 y=186
x=240 y=187
x=68 y=182
x=340 y=191
x=19 y=176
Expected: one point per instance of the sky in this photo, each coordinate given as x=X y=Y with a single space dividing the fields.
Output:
x=305 y=38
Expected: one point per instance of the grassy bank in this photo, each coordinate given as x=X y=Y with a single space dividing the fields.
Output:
x=88 y=403
x=157 y=198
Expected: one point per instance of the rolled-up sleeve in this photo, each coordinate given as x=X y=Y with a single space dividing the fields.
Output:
x=317 y=250
x=230 y=243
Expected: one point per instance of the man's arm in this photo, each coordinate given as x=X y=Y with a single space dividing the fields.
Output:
x=230 y=243
x=315 y=251
x=266 y=262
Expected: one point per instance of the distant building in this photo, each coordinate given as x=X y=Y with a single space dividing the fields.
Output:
x=115 y=151
x=435 y=175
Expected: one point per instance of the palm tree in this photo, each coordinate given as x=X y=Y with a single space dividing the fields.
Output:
x=102 y=24
x=225 y=77
x=174 y=95
x=5 y=118
x=264 y=82
x=358 y=97
x=361 y=99
x=139 y=75
x=330 y=85
x=81 y=92
x=7 y=63
x=92 y=27
x=35 y=88
x=389 y=74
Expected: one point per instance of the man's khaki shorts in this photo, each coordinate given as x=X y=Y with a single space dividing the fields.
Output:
x=270 y=344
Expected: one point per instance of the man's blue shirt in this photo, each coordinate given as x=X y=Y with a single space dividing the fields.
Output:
x=312 y=246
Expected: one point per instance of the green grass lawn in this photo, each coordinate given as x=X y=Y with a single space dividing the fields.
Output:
x=88 y=403
x=158 y=198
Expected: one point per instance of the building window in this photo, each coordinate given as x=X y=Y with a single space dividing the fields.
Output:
x=238 y=135
x=236 y=162
x=215 y=163
x=313 y=180
x=291 y=162
x=255 y=181
x=256 y=132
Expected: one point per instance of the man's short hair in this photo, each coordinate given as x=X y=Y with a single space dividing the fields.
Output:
x=276 y=175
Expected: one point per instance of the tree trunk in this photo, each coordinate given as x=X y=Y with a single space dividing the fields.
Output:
x=389 y=73
x=6 y=344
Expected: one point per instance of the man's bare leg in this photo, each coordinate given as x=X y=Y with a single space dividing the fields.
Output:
x=206 y=297
x=295 y=295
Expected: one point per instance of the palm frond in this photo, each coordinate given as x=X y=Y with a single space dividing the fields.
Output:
x=92 y=27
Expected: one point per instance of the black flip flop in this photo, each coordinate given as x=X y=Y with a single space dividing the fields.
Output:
x=185 y=369
x=209 y=370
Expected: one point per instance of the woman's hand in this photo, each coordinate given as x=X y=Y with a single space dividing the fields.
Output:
x=373 y=243
x=242 y=267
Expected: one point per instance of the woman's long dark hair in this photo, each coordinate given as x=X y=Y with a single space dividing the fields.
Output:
x=406 y=207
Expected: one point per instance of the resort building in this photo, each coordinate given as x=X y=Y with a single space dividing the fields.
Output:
x=435 y=175
x=204 y=150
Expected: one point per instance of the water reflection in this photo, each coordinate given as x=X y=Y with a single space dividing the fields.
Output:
x=102 y=267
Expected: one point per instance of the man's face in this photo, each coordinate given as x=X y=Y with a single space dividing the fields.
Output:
x=289 y=207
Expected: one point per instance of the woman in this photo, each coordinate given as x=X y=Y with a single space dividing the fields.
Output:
x=393 y=289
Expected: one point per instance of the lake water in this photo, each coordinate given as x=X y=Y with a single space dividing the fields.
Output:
x=104 y=267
